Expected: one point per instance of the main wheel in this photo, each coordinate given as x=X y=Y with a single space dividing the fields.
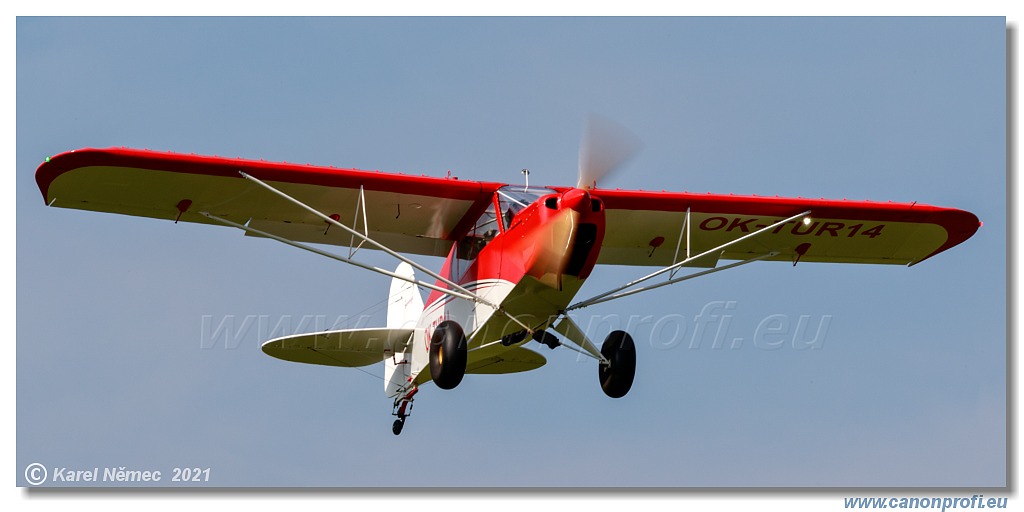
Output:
x=617 y=378
x=396 y=427
x=448 y=355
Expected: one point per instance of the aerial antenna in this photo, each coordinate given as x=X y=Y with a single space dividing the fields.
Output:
x=526 y=172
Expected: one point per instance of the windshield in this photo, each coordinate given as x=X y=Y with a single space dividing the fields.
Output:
x=513 y=199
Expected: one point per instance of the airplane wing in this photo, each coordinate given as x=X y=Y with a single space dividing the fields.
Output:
x=410 y=214
x=423 y=215
x=647 y=229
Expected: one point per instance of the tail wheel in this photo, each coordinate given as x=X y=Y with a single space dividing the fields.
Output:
x=448 y=355
x=617 y=377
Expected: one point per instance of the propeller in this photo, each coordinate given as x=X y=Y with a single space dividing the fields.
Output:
x=605 y=146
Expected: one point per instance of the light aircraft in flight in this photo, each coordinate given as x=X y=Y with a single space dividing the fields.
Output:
x=516 y=256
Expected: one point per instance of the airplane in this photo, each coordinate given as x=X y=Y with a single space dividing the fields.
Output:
x=515 y=256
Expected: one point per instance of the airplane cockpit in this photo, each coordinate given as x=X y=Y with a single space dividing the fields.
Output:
x=513 y=199
x=509 y=200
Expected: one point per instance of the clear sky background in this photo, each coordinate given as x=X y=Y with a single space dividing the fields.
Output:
x=907 y=385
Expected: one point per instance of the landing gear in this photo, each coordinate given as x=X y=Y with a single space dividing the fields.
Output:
x=402 y=409
x=547 y=339
x=511 y=339
x=617 y=376
x=448 y=355
x=543 y=337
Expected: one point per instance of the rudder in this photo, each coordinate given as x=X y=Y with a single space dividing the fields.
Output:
x=405 y=305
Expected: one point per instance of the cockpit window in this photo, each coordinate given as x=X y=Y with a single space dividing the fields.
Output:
x=484 y=230
x=513 y=199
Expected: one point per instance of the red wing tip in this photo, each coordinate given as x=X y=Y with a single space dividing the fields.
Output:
x=54 y=166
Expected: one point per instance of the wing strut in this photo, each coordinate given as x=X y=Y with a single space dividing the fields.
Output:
x=625 y=290
x=336 y=257
x=353 y=232
x=360 y=205
x=463 y=293
x=684 y=229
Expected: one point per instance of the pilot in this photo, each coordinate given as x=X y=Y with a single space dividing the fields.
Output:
x=509 y=214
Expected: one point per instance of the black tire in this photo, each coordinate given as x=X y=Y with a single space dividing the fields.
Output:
x=396 y=427
x=617 y=378
x=448 y=355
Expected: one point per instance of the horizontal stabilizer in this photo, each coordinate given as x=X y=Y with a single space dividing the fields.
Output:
x=351 y=348
x=495 y=361
x=514 y=360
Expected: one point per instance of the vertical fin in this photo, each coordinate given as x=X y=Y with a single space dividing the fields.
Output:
x=405 y=305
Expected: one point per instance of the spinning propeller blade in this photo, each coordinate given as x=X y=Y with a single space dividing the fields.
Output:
x=605 y=146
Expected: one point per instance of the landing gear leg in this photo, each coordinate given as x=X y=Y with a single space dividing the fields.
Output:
x=402 y=409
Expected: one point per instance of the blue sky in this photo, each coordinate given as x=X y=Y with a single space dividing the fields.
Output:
x=906 y=388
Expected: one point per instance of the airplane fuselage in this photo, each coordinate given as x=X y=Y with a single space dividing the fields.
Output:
x=531 y=266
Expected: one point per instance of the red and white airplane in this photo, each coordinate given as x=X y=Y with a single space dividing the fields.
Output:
x=516 y=255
